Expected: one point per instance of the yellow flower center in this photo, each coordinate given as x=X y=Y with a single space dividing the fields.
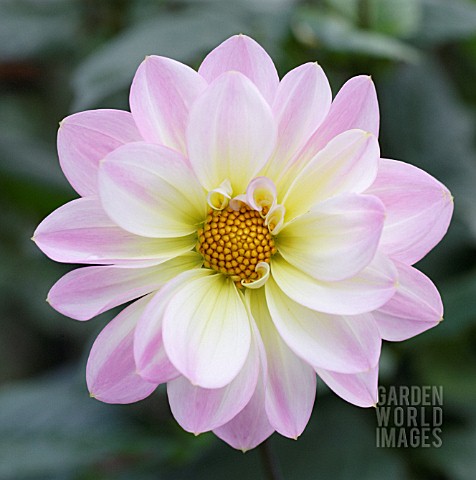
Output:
x=234 y=242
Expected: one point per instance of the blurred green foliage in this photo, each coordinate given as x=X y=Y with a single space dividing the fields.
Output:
x=61 y=56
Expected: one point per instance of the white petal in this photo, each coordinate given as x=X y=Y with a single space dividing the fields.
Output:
x=150 y=356
x=206 y=331
x=345 y=344
x=336 y=239
x=150 y=190
x=367 y=291
x=348 y=164
x=231 y=132
x=199 y=409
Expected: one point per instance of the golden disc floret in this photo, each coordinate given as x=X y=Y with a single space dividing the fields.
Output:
x=234 y=242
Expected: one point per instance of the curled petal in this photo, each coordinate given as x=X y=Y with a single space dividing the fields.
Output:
x=86 y=292
x=242 y=54
x=111 y=371
x=346 y=344
x=348 y=164
x=366 y=291
x=261 y=193
x=275 y=219
x=81 y=232
x=150 y=190
x=263 y=271
x=219 y=197
x=206 y=331
x=291 y=383
x=85 y=138
x=336 y=239
x=419 y=210
x=415 y=307
x=360 y=389
x=231 y=132
x=162 y=93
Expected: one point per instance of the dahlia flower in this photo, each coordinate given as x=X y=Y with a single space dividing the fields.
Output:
x=257 y=231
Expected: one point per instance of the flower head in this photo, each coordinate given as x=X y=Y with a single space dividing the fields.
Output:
x=259 y=232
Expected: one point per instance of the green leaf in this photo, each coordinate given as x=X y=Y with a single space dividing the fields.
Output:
x=50 y=427
x=446 y=20
x=335 y=33
x=29 y=27
x=399 y=18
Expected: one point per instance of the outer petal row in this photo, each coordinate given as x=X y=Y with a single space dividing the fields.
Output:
x=86 y=292
x=111 y=371
x=419 y=210
x=81 y=232
x=415 y=307
x=162 y=93
x=242 y=54
x=85 y=138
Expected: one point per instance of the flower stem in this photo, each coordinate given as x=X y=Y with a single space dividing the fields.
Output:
x=270 y=462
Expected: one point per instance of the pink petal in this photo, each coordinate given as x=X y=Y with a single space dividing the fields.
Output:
x=348 y=164
x=242 y=54
x=336 y=239
x=152 y=361
x=301 y=104
x=206 y=331
x=355 y=107
x=291 y=383
x=231 y=133
x=162 y=93
x=251 y=426
x=419 y=210
x=344 y=344
x=150 y=190
x=366 y=291
x=86 y=292
x=415 y=307
x=111 y=372
x=199 y=409
x=87 y=137
x=81 y=232
x=360 y=389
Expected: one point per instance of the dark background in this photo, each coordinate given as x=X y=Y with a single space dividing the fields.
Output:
x=62 y=56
